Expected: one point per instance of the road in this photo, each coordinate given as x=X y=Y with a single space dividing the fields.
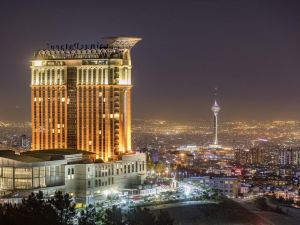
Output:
x=178 y=204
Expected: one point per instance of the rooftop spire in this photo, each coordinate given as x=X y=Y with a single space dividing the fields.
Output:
x=215 y=92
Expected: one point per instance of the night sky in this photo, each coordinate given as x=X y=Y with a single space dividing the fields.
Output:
x=249 y=49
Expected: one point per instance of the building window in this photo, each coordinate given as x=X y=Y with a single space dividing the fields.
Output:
x=23 y=178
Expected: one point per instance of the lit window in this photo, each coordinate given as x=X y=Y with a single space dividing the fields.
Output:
x=37 y=63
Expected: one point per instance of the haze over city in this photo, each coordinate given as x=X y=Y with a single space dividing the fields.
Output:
x=249 y=49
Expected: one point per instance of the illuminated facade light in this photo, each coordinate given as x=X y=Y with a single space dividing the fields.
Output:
x=37 y=63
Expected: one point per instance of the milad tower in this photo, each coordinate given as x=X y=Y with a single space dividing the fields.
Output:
x=215 y=109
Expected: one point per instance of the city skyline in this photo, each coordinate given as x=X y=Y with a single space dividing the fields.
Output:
x=150 y=112
x=248 y=48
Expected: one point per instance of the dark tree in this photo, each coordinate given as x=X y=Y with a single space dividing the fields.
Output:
x=33 y=210
x=112 y=216
x=87 y=216
x=139 y=216
x=60 y=210
x=163 y=218
x=64 y=206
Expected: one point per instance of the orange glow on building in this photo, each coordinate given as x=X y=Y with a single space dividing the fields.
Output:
x=81 y=98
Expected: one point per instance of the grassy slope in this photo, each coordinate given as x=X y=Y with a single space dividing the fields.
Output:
x=224 y=213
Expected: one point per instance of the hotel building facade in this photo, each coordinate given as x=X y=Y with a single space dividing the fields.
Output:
x=70 y=171
x=81 y=126
x=81 y=97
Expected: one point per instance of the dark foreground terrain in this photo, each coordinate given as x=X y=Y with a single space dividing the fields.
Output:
x=226 y=212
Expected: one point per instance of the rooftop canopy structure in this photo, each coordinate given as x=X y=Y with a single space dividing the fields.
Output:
x=113 y=47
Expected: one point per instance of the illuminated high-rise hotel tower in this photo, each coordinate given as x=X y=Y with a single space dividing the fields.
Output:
x=81 y=97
